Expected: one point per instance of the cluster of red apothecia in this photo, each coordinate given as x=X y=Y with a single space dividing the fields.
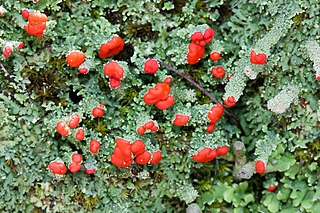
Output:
x=74 y=121
x=115 y=73
x=272 y=188
x=162 y=90
x=112 y=69
x=181 y=120
x=148 y=126
x=98 y=111
x=94 y=146
x=59 y=168
x=122 y=154
x=75 y=58
x=214 y=115
x=218 y=72
x=151 y=66
x=112 y=47
x=207 y=154
x=230 y=101
x=37 y=23
x=260 y=167
x=159 y=95
x=8 y=48
x=260 y=58
x=196 y=47
x=64 y=129
x=75 y=165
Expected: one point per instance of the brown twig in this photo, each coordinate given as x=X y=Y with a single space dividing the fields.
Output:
x=204 y=91
x=190 y=80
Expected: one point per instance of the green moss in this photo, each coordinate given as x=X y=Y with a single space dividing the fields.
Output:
x=115 y=17
x=178 y=5
x=101 y=126
x=47 y=84
x=299 y=18
x=309 y=154
x=90 y=202
x=131 y=93
x=123 y=111
x=144 y=31
x=78 y=197
x=95 y=14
